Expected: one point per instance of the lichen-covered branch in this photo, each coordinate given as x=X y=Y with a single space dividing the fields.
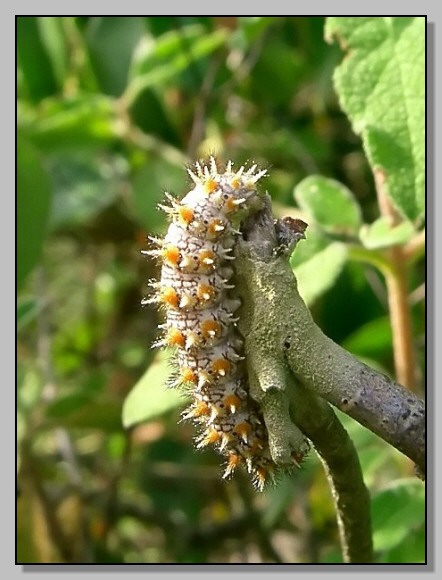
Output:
x=317 y=420
x=279 y=323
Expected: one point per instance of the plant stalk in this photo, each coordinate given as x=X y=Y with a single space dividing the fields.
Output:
x=396 y=279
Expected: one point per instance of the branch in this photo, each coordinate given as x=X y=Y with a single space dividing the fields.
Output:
x=318 y=421
x=276 y=321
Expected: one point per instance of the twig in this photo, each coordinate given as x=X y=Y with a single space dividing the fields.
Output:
x=397 y=286
x=292 y=413
x=278 y=322
x=337 y=452
x=415 y=248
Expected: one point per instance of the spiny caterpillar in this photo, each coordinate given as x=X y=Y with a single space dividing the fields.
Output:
x=194 y=290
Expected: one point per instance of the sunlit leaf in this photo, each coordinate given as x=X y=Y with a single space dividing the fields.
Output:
x=317 y=275
x=150 y=397
x=380 y=234
x=397 y=511
x=173 y=52
x=381 y=86
x=80 y=122
x=331 y=204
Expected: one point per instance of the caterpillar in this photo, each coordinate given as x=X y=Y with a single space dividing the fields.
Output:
x=194 y=290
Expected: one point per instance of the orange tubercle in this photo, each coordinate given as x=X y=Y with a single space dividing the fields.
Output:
x=210 y=328
x=215 y=228
x=230 y=204
x=210 y=185
x=185 y=214
x=168 y=296
x=188 y=376
x=221 y=366
x=232 y=463
x=232 y=402
x=207 y=259
x=235 y=182
x=210 y=437
x=205 y=292
x=175 y=338
x=198 y=410
x=243 y=430
x=171 y=255
x=201 y=408
x=261 y=476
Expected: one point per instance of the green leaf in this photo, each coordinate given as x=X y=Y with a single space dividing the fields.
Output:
x=381 y=234
x=331 y=204
x=373 y=339
x=56 y=45
x=84 y=186
x=33 y=59
x=315 y=242
x=33 y=207
x=67 y=404
x=111 y=41
x=100 y=415
x=275 y=84
x=252 y=27
x=317 y=275
x=80 y=122
x=151 y=181
x=278 y=498
x=157 y=62
x=149 y=112
x=381 y=87
x=27 y=310
x=411 y=550
x=150 y=398
x=397 y=512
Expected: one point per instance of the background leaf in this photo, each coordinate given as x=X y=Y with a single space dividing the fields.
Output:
x=175 y=51
x=150 y=397
x=111 y=41
x=33 y=207
x=380 y=234
x=330 y=203
x=381 y=86
x=373 y=339
x=317 y=275
x=27 y=309
x=150 y=182
x=394 y=513
x=35 y=62
x=72 y=123
x=84 y=186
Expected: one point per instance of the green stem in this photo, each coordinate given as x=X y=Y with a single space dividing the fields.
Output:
x=343 y=470
x=371 y=257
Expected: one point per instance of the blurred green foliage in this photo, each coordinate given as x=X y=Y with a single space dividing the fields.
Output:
x=110 y=109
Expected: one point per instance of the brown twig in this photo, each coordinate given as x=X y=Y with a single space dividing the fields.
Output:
x=396 y=279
